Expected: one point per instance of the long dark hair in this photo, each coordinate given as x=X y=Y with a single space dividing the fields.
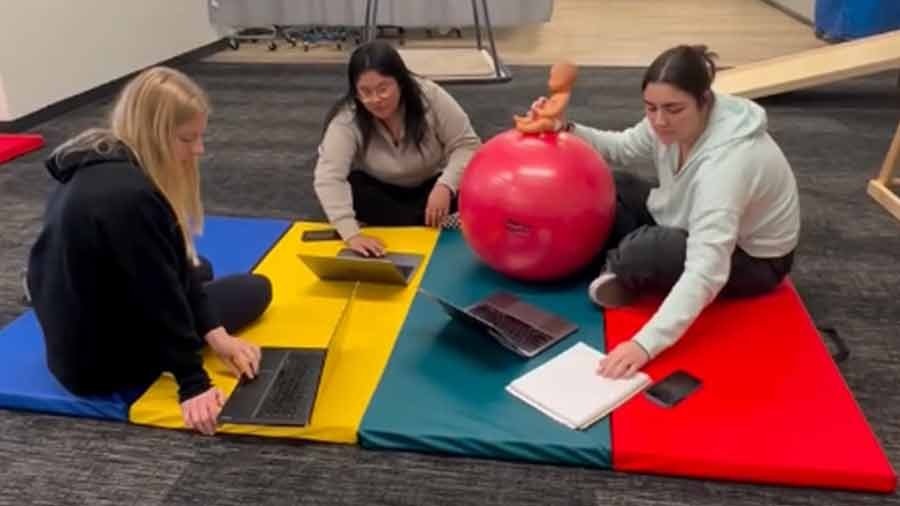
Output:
x=384 y=59
x=688 y=68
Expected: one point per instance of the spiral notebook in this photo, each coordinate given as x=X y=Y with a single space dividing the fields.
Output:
x=568 y=389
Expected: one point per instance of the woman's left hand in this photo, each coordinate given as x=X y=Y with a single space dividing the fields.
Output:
x=438 y=205
x=625 y=360
x=241 y=356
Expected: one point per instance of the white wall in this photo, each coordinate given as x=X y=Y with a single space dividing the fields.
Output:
x=803 y=8
x=4 y=108
x=53 y=49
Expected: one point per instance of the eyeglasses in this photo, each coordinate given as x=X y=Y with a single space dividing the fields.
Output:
x=382 y=91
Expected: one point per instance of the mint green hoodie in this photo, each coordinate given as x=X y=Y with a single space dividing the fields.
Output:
x=736 y=189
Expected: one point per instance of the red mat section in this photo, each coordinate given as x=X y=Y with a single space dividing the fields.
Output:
x=15 y=145
x=773 y=407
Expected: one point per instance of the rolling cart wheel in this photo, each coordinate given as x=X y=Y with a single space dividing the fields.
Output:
x=339 y=46
x=305 y=48
x=273 y=46
x=234 y=44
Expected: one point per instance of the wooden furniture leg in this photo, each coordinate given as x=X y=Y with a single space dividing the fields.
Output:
x=880 y=187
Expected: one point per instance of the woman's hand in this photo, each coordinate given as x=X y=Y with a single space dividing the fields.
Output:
x=625 y=359
x=560 y=121
x=241 y=356
x=438 y=205
x=366 y=245
x=201 y=411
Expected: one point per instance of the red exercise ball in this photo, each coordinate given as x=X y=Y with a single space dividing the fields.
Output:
x=536 y=207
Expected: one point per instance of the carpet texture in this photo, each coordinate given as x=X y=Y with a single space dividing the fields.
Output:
x=261 y=151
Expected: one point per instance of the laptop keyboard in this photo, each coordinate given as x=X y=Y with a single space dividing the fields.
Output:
x=406 y=270
x=524 y=335
x=292 y=388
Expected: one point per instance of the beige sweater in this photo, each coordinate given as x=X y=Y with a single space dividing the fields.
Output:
x=447 y=147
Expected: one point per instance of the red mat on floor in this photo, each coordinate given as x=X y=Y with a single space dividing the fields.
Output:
x=15 y=145
x=773 y=407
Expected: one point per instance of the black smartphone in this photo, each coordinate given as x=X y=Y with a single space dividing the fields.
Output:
x=673 y=389
x=328 y=234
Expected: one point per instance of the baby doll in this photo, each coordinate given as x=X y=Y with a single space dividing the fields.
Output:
x=545 y=115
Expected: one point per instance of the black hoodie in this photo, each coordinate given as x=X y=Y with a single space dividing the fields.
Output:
x=111 y=283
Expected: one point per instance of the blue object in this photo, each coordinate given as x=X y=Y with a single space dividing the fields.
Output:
x=231 y=244
x=839 y=20
x=443 y=390
x=27 y=384
x=235 y=245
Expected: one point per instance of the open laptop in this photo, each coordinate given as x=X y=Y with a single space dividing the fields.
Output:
x=289 y=381
x=348 y=265
x=519 y=326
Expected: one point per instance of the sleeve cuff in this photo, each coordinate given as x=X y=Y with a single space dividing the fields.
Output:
x=653 y=345
x=347 y=228
x=192 y=385
x=578 y=130
x=449 y=184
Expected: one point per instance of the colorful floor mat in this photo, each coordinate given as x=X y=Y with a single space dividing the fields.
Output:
x=773 y=407
x=304 y=312
x=443 y=389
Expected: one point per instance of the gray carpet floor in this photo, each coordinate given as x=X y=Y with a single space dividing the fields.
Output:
x=261 y=145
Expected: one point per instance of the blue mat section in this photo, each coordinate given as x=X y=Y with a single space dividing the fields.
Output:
x=443 y=388
x=231 y=244
x=235 y=245
x=26 y=383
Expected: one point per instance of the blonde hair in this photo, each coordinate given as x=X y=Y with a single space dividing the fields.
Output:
x=148 y=110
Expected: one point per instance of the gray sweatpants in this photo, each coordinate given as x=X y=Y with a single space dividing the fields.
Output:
x=650 y=257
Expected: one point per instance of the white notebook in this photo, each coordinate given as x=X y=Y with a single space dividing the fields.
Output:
x=568 y=389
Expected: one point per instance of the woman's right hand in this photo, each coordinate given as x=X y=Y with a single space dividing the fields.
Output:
x=366 y=245
x=201 y=411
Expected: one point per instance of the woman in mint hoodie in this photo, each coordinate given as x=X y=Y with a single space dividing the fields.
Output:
x=723 y=219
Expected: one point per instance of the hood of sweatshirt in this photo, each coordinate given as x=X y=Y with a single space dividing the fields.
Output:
x=63 y=164
x=732 y=119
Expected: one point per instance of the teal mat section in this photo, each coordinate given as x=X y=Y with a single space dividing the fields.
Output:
x=443 y=388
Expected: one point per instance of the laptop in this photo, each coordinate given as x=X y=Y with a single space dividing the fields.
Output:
x=289 y=381
x=523 y=328
x=348 y=265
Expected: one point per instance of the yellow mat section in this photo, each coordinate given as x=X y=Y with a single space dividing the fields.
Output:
x=303 y=312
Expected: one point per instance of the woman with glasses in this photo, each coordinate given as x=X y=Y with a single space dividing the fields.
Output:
x=393 y=150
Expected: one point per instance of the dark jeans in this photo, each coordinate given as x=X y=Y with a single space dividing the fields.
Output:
x=381 y=204
x=238 y=299
x=650 y=257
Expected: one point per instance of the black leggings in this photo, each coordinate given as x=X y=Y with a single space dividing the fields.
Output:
x=650 y=257
x=381 y=204
x=238 y=299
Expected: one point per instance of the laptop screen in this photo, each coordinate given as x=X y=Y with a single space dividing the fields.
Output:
x=338 y=337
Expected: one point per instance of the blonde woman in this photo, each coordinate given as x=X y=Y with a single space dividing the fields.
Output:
x=114 y=277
